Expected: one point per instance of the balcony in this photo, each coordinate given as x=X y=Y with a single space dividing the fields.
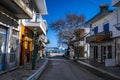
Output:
x=41 y=5
x=116 y=3
x=36 y=22
x=17 y=8
x=99 y=37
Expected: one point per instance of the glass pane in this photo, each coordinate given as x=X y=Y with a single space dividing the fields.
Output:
x=14 y=47
x=2 y=46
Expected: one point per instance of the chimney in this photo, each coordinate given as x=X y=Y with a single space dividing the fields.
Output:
x=103 y=7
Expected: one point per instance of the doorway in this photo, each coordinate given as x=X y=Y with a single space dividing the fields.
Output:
x=95 y=52
x=22 y=50
x=103 y=54
x=28 y=52
x=106 y=52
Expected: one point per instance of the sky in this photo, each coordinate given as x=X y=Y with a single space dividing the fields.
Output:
x=59 y=8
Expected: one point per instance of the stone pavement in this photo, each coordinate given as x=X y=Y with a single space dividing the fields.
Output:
x=22 y=72
x=112 y=71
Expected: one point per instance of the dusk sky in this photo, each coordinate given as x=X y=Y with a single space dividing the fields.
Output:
x=58 y=8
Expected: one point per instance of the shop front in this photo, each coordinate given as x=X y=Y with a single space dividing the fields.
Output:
x=26 y=45
x=102 y=48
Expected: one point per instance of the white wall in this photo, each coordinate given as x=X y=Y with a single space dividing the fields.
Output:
x=101 y=22
x=112 y=20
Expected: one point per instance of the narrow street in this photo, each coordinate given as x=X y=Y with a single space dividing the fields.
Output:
x=62 y=69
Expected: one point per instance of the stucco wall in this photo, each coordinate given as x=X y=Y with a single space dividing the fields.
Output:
x=112 y=20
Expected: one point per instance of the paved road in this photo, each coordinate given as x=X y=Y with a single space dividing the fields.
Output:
x=62 y=69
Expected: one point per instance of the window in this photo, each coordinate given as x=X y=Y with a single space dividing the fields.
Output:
x=106 y=27
x=14 y=48
x=14 y=43
x=96 y=30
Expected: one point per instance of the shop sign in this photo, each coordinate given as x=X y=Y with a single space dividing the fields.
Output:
x=98 y=38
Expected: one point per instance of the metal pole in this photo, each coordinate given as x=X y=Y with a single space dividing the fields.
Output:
x=35 y=51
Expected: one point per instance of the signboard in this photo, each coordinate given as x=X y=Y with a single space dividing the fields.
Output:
x=98 y=38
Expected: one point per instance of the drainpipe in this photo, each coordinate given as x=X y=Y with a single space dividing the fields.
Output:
x=115 y=51
x=115 y=38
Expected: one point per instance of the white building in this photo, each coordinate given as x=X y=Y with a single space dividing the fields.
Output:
x=81 y=44
x=36 y=25
x=116 y=27
x=103 y=38
x=10 y=12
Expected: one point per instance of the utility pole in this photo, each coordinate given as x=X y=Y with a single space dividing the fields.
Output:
x=35 y=51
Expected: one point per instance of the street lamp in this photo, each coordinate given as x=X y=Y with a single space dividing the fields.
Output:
x=35 y=51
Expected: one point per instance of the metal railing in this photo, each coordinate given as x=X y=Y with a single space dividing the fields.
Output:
x=104 y=35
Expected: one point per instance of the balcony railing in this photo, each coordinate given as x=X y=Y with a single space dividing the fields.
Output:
x=37 y=22
x=116 y=2
x=36 y=18
x=99 y=37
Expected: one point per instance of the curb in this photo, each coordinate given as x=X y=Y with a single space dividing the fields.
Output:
x=38 y=72
x=98 y=69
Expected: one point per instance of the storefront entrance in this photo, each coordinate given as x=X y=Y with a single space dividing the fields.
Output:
x=103 y=54
x=106 y=52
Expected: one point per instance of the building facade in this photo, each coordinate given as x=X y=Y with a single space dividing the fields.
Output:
x=26 y=39
x=10 y=13
x=103 y=38
x=81 y=48
x=37 y=25
x=16 y=43
x=116 y=25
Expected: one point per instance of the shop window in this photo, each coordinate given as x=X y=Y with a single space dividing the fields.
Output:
x=14 y=46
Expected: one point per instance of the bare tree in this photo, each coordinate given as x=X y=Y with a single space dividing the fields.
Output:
x=68 y=28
